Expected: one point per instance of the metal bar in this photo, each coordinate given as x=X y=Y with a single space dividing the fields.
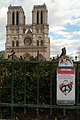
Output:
x=25 y=89
x=12 y=90
x=39 y=106
x=1 y=62
x=64 y=112
x=51 y=93
x=37 y=91
x=0 y=99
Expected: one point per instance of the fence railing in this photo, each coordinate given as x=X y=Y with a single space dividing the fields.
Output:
x=31 y=86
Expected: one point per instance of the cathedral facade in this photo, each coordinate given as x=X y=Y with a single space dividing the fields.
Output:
x=27 y=40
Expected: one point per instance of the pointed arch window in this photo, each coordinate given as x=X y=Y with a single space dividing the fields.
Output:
x=42 y=43
x=24 y=20
x=13 y=18
x=17 y=43
x=37 y=42
x=41 y=17
x=12 y=43
x=41 y=30
x=37 y=17
x=17 y=18
x=37 y=30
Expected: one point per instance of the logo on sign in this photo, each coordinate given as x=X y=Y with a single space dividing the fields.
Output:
x=66 y=87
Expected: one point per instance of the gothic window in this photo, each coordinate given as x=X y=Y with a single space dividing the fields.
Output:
x=17 y=18
x=13 y=18
x=37 y=42
x=17 y=31
x=12 y=43
x=37 y=17
x=41 y=17
x=24 y=20
x=41 y=30
x=37 y=30
x=17 y=43
x=41 y=42
x=24 y=30
x=6 y=31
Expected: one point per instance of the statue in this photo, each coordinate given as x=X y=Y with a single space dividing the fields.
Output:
x=64 y=59
x=63 y=54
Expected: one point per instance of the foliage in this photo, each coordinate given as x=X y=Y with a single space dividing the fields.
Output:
x=19 y=82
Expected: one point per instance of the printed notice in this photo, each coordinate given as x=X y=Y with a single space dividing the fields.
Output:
x=66 y=85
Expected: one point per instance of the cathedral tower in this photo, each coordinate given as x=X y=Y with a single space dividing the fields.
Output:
x=14 y=30
x=28 y=40
x=40 y=30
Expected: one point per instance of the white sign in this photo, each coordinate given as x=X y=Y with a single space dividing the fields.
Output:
x=65 y=85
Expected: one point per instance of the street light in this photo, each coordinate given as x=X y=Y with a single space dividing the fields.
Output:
x=12 y=54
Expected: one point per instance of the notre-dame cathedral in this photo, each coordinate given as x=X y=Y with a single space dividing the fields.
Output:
x=28 y=40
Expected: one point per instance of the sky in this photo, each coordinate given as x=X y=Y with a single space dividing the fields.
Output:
x=63 y=20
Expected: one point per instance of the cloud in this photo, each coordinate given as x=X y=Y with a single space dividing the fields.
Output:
x=2 y=41
x=3 y=16
x=72 y=46
x=2 y=37
x=75 y=21
x=64 y=11
x=68 y=35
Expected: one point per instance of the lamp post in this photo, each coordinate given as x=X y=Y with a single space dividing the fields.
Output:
x=12 y=54
x=38 y=55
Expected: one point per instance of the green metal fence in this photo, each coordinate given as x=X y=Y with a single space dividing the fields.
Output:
x=29 y=88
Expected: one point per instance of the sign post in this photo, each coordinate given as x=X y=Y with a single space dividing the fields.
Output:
x=65 y=83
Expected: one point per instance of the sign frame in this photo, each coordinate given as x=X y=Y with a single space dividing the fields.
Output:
x=65 y=85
